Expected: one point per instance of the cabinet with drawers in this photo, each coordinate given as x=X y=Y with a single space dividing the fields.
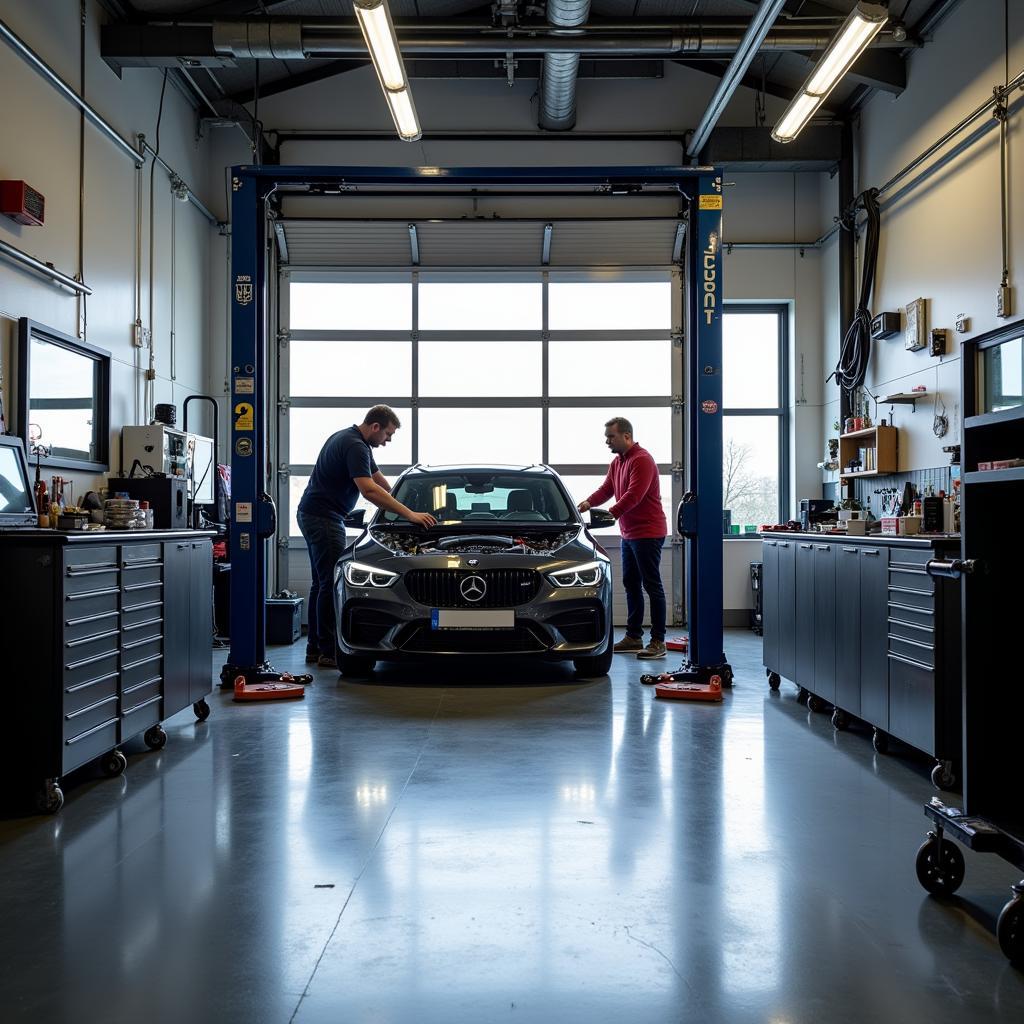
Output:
x=862 y=626
x=87 y=637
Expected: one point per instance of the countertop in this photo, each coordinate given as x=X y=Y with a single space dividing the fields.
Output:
x=920 y=540
x=36 y=535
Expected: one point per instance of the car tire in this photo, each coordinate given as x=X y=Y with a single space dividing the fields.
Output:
x=355 y=668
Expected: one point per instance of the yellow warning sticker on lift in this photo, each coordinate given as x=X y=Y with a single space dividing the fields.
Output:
x=244 y=418
x=710 y=202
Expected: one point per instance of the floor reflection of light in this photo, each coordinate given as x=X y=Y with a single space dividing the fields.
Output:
x=370 y=795
x=751 y=900
x=300 y=764
x=582 y=793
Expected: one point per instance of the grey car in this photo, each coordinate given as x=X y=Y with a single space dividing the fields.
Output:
x=511 y=569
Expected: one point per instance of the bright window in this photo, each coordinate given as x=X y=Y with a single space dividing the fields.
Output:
x=610 y=305
x=487 y=369
x=308 y=429
x=351 y=305
x=485 y=437
x=754 y=426
x=340 y=369
x=610 y=367
x=481 y=306
x=577 y=435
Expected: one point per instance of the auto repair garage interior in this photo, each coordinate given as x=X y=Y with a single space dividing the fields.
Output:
x=783 y=240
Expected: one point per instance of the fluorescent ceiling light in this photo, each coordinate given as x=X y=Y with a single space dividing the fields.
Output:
x=379 y=33
x=863 y=24
x=404 y=113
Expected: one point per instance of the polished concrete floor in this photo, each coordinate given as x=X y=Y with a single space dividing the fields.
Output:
x=473 y=847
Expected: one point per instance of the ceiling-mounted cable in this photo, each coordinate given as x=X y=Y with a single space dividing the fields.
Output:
x=855 y=350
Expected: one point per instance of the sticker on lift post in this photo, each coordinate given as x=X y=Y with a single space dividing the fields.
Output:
x=243 y=446
x=244 y=416
x=245 y=385
x=709 y=405
x=243 y=511
x=710 y=203
x=243 y=289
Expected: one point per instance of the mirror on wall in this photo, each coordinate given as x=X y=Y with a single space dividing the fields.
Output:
x=63 y=398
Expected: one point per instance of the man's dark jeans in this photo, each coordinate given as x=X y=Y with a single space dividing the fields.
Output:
x=641 y=570
x=325 y=539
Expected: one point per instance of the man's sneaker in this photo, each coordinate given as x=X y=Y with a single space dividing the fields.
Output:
x=655 y=649
x=326 y=661
x=312 y=657
x=628 y=645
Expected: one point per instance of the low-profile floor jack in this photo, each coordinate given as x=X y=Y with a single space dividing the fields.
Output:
x=278 y=686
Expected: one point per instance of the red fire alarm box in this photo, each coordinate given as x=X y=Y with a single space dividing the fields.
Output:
x=21 y=202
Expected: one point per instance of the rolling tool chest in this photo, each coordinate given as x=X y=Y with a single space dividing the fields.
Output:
x=859 y=625
x=105 y=636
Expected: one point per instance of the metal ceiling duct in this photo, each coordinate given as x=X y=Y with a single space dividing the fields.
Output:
x=558 y=77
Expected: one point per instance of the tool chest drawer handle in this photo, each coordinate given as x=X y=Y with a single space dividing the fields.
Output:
x=91 y=618
x=89 y=570
x=783 y=543
x=90 y=682
x=871 y=551
x=89 y=732
x=93 y=639
x=91 y=707
x=92 y=593
x=910 y=607
x=772 y=543
x=823 y=547
x=143 y=586
x=143 y=661
x=805 y=547
x=139 y=686
x=911 y=662
x=142 y=565
x=89 y=661
x=907 y=640
x=849 y=551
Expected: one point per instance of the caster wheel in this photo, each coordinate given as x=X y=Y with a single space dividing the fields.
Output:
x=880 y=741
x=202 y=710
x=114 y=764
x=1010 y=931
x=940 y=871
x=774 y=680
x=840 y=719
x=801 y=696
x=815 y=703
x=943 y=777
x=155 y=738
x=50 y=799
x=726 y=676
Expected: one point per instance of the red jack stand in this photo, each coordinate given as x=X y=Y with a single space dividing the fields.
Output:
x=677 y=643
x=288 y=688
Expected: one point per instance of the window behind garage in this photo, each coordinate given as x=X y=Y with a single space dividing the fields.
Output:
x=506 y=367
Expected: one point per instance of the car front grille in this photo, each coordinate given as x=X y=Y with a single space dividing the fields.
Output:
x=505 y=588
x=521 y=640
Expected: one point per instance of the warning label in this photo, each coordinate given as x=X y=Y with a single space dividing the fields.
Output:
x=243 y=511
x=710 y=202
x=244 y=416
x=245 y=385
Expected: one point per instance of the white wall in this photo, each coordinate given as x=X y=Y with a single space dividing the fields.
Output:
x=940 y=237
x=41 y=130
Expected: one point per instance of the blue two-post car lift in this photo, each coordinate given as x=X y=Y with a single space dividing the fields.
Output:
x=253 y=515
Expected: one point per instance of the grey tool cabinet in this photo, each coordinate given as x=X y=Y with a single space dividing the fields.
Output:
x=105 y=636
x=859 y=625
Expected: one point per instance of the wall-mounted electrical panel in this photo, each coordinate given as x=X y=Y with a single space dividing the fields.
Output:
x=885 y=325
x=21 y=202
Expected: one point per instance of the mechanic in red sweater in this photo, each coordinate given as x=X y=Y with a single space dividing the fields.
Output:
x=633 y=480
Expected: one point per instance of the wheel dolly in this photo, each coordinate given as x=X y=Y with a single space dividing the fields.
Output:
x=940 y=866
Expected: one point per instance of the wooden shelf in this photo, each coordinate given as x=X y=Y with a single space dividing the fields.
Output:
x=884 y=441
x=995 y=476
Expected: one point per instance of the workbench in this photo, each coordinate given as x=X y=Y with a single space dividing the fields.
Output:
x=105 y=635
x=857 y=623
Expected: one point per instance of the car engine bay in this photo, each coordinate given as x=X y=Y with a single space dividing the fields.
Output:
x=415 y=542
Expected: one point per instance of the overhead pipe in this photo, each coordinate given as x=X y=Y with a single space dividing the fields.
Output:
x=15 y=255
x=760 y=24
x=37 y=63
x=558 y=75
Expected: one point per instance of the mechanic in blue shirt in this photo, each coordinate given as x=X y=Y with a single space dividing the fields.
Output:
x=344 y=469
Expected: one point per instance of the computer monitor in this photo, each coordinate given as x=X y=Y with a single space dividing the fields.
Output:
x=17 y=507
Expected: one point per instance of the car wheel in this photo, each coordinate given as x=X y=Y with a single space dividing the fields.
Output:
x=353 y=667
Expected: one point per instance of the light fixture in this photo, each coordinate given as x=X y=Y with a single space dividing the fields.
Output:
x=863 y=24
x=378 y=30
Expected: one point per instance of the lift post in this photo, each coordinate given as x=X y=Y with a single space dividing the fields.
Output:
x=253 y=515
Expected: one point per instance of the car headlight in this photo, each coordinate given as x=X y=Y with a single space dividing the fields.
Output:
x=588 y=575
x=359 y=575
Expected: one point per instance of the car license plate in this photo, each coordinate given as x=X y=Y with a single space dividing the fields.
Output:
x=479 y=618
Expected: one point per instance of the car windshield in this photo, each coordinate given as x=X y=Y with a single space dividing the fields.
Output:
x=482 y=497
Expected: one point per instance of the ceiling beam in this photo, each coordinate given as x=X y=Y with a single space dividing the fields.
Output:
x=717 y=68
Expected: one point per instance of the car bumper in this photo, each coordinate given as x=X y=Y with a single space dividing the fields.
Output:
x=558 y=625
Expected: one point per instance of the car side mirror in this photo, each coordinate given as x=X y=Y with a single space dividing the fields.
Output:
x=601 y=519
x=355 y=518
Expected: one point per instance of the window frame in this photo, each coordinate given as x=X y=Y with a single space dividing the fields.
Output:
x=781 y=311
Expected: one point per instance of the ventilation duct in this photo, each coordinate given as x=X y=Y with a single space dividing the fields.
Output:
x=558 y=78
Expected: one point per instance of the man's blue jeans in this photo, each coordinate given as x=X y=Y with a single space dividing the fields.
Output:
x=326 y=541
x=641 y=570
